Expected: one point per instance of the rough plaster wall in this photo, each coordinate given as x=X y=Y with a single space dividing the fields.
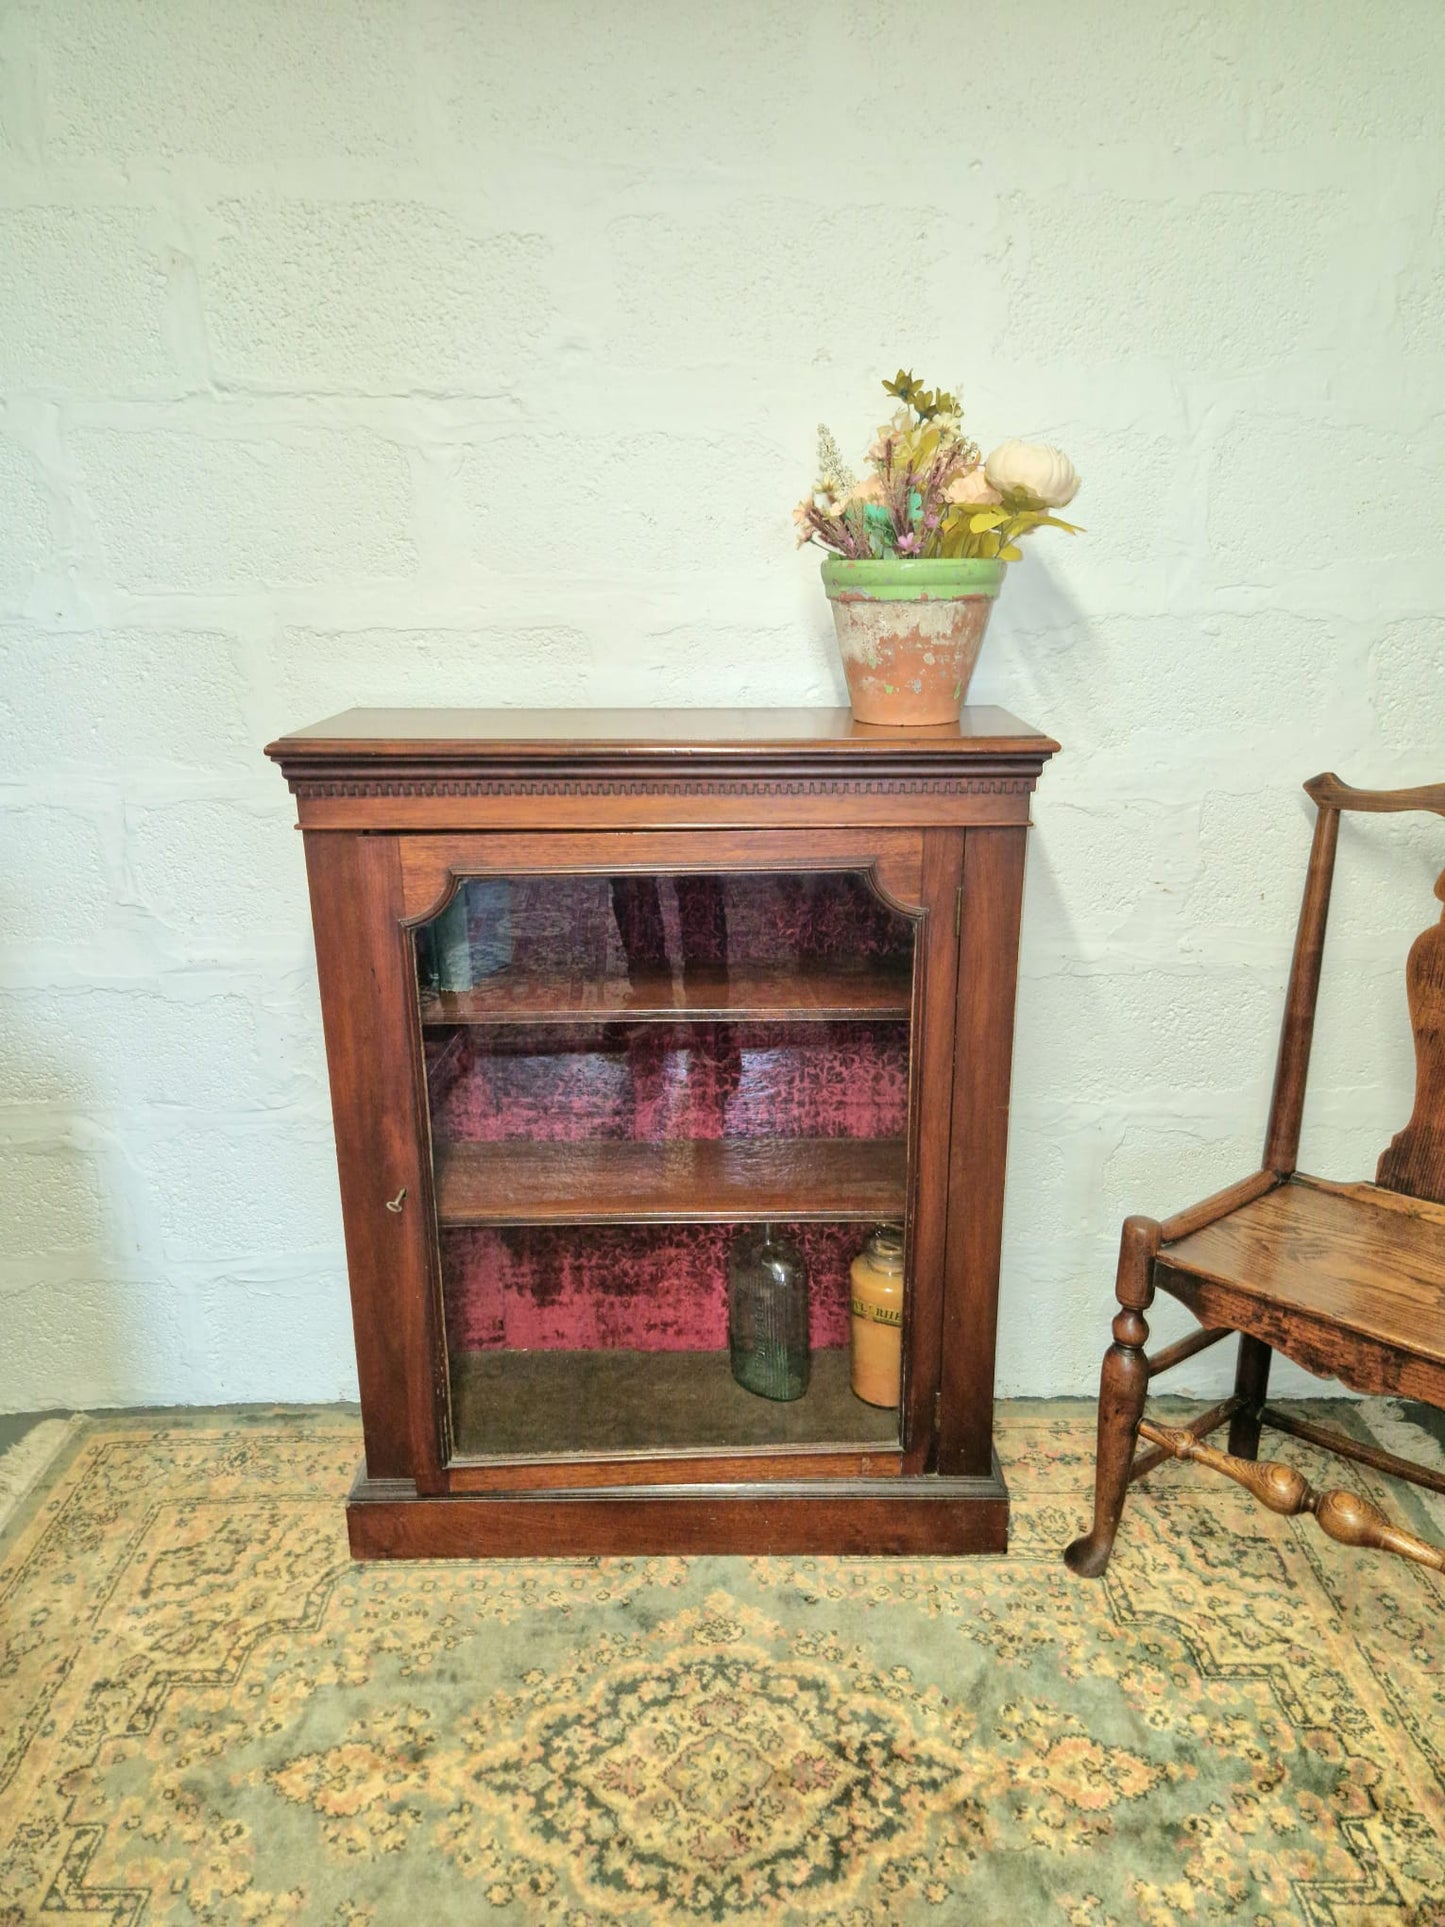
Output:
x=366 y=351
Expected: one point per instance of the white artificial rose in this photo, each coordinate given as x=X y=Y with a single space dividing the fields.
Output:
x=1045 y=472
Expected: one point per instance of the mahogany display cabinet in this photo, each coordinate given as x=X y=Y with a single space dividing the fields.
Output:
x=603 y=991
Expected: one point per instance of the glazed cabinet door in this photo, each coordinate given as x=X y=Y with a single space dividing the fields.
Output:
x=661 y=1088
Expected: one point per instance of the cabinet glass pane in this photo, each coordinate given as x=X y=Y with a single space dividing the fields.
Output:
x=626 y=1075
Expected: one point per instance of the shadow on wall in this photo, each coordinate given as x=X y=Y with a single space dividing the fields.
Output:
x=75 y=1302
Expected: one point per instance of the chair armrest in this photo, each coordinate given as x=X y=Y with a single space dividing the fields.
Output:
x=1330 y=793
x=1210 y=1210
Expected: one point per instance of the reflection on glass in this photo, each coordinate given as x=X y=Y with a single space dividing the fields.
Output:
x=702 y=928
x=468 y=941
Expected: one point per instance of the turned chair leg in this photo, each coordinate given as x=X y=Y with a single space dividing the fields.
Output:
x=1251 y=1383
x=1123 y=1383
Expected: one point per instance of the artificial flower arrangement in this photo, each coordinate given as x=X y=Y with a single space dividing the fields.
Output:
x=930 y=527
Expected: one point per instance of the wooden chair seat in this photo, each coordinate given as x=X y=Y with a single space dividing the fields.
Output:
x=1346 y=1279
x=1349 y=1279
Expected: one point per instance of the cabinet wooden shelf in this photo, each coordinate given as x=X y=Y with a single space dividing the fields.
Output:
x=699 y=1181
x=833 y=994
x=599 y=989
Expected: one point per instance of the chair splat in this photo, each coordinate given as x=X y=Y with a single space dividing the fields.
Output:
x=1415 y=1160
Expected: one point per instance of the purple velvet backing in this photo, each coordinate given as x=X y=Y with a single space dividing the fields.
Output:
x=629 y=1287
x=600 y=925
x=655 y=1082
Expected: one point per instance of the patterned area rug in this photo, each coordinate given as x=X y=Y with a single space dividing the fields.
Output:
x=208 y=1714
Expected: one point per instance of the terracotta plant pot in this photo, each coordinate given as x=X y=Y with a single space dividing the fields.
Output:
x=909 y=632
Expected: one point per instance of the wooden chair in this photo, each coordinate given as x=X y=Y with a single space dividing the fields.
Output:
x=1347 y=1279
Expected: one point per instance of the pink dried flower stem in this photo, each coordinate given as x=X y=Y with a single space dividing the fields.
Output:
x=896 y=500
x=836 y=532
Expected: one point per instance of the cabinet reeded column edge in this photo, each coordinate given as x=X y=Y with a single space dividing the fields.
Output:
x=723 y=789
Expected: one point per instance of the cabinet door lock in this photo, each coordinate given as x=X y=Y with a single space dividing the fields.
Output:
x=395 y=1204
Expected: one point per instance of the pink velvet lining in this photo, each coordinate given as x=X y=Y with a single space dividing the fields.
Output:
x=600 y=925
x=654 y=1082
x=626 y=1287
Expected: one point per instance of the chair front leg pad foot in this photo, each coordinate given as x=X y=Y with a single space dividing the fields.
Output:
x=1088 y=1556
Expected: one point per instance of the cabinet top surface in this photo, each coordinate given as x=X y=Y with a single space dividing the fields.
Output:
x=359 y=734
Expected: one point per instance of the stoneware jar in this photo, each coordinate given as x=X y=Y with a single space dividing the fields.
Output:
x=909 y=632
x=876 y=1303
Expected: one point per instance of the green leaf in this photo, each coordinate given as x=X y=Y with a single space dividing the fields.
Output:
x=988 y=545
x=986 y=519
x=1011 y=553
x=953 y=534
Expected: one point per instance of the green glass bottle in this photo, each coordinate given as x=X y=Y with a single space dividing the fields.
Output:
x=768 y=1314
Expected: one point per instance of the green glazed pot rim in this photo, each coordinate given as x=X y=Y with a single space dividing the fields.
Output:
x=913 y=578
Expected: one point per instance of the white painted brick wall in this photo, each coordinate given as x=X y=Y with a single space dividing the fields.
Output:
x=26 y=517
x=445 y=350
x=268 y=506
x=83 y=291
x=265 y=82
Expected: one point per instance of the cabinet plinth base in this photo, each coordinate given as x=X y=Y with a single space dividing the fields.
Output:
x=388 y=1519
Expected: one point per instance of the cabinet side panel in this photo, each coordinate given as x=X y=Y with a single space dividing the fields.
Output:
x=993 y=872
x=933 y=1061
x=367 y=1007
